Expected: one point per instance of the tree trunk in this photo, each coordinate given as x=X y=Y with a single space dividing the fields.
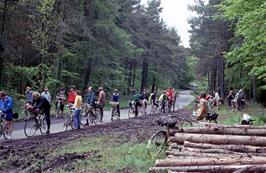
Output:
x=225 y=130
x=130 y=73
x=134 y=73
x=87 y=73
x=210 y=161
x=209 y=168
x=180 y=138
x=144 y=77
x=1 y=38
x=253 y=88
x=235 y=148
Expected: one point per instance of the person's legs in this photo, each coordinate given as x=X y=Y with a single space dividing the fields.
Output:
x=101 y=110
x=47 y=118
x=118 y=110
x=77 y=119
x=136 y=109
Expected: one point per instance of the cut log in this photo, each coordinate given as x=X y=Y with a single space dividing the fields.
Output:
x=209 y=161
x=235 y=148
x=177 y=154
x=208 y=168
x=226 y=130
x=180 y=138
x=233 y=126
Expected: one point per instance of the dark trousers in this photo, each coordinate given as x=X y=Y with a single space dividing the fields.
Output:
x=47 y=117
x=118 y=110
x=163 y=106
x=77 y=119
x=101 y=111
x=137 y=104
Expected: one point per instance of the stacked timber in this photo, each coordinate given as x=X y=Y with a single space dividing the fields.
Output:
x=216 y=148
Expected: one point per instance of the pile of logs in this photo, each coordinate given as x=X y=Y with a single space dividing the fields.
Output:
x=216 y=148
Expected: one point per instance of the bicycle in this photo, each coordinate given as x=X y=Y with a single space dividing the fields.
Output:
x=69 y=119
x=131 y=109
x=159 y=140
x=3 y=126
x=154 y=108
x=90 y=114
x=114 y=111
x=58 y=105
x=35 y=122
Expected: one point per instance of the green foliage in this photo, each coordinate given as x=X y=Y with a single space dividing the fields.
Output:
x=249 y=53
x=116 y=155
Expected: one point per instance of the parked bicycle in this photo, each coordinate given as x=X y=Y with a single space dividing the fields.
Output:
x=69 y=120
x=114 y=111
x=159 y=140
x=90 y=114
x=36 y=121
x=131 y=109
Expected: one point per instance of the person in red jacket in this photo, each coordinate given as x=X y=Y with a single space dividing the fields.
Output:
x=71 y=95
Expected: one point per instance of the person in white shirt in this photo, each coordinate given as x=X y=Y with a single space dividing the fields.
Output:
x=47 y=95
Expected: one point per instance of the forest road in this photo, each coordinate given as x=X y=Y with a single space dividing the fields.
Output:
x=184 y=99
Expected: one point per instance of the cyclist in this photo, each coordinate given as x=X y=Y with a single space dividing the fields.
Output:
x=101 y=101
x=136 y=98
x=28 y=94
x=47 y=95
x=163 y=100
x=71 y=96
x=116 y=98
x=202 y=110
x=90 y=97
x=60 y=99
x=145 y=97
x=170 y=97
x=230 y=98
x=7 y=106
x=41 y=103
x=174 y=99
x=77 y=106
x=153 y=100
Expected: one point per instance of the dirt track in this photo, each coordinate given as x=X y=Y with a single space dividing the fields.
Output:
x=23 y=154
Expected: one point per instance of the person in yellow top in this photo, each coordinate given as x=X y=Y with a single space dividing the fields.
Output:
x=77 y=106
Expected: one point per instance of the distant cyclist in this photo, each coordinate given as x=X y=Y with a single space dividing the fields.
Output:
x=136 y=98
x=47 y=95
x=153 y=101
x=163 y=100
x=116 y=98
x=7 y=106
x=71 y=96
x=145 y=97
x=60 y=101
x=90 y=97
x=101 y=101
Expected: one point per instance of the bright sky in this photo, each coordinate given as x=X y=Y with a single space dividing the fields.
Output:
x=176 y=14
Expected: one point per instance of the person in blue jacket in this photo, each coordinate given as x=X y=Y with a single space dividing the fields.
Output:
x=7 y=106
x=90 y=97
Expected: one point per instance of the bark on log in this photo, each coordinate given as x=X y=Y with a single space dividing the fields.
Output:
x=209 y=168
x=209 y=161
x=180 y=138
x=233 y=126
x=225 y=130
x=177 y=154
x=235 y=148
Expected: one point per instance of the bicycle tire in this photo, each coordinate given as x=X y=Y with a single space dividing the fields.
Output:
x=68 y=122
x=83 y=117
x=157 y=143
x=131 y=112
x=32 y=126
x=43 y=125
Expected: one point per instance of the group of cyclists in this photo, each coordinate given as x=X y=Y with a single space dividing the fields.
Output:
x=166 y=101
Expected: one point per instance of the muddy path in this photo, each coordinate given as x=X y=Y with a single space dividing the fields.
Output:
x=22 y=154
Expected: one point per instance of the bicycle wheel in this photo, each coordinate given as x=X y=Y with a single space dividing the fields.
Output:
x=68 y=122
x=95 y=117
x=157 y=143
x=43 y=124
x=131 y=112
x=83 y=117
x=30 y=127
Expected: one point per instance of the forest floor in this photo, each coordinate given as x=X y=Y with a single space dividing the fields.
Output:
x=118 y=146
